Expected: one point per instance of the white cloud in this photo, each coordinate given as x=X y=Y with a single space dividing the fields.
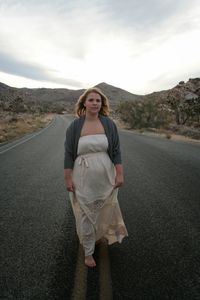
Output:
x=138 y=46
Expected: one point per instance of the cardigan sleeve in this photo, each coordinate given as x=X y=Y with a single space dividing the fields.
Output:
x=116 y=152
x=69 y=147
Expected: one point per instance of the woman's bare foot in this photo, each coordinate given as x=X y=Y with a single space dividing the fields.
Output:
x=89 y=261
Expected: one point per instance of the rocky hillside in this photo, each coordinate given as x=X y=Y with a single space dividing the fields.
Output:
x=114 y=94
x=176 y=109
x=39 y=94
x=187 y=90
x=65 y=98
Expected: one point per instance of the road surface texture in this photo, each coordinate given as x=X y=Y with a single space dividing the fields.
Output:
x=40 y=255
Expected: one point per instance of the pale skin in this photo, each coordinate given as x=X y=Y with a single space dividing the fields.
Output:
x=92 y=125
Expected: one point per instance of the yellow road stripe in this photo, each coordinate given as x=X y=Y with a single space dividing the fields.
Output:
x=105 y=280
x=80 y=280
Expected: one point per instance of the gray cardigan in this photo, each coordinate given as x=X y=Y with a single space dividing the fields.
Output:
x=73 y=134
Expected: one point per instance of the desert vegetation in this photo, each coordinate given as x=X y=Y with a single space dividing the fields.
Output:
x=143 y=114
x=18 y=117
x=19 y=105
x=175 y=111
x=185 y=111
x=16 y=125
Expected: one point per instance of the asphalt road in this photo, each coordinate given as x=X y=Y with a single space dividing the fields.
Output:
x=160 y=202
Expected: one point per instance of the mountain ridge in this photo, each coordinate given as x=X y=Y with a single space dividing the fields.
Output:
x=114 y=94
x=189 y=89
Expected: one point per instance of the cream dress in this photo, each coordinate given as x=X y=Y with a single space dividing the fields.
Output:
x=95 y=204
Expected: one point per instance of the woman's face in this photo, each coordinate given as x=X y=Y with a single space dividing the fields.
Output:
x=93 y=103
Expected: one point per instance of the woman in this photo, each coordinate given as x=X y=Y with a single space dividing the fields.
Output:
x=93 y=172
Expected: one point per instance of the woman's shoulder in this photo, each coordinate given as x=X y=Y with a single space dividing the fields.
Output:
x=107 y=120
x=73 y=126
x=77 y=121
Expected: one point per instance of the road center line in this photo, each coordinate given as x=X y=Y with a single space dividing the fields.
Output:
x=80 y=278
x=105 y=280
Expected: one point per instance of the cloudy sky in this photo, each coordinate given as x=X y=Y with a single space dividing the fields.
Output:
x=141 y=46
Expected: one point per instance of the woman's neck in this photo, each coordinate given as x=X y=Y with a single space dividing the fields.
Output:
x=91 y=117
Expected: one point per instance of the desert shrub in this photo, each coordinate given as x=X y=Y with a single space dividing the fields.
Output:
x=186 y=111
x=143 y=114
x=168 y=136
x=184 y=130
x=17 y=105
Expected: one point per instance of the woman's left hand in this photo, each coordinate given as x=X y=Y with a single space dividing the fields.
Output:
x=119 y=180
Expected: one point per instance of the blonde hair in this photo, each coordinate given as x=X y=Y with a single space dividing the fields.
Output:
x=80 y=108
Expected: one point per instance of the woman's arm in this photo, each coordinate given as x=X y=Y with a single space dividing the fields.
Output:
x=119 y=178
x=116 y=151
x=68 y=180
x=69 y=147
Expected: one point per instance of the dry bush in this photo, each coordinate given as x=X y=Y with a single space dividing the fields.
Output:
x=143 y=114
x=191 y=132
x=13 y=125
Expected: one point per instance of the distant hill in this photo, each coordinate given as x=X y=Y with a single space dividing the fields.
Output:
x=39 y=94
x=189 y=89
x=114 y=94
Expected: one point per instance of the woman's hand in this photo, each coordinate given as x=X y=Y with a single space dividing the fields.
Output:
x=119 y=178
x=68 y=180
x=69 y=185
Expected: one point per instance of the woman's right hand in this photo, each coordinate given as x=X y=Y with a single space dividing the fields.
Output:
x=68 y=180
x=69 y=185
